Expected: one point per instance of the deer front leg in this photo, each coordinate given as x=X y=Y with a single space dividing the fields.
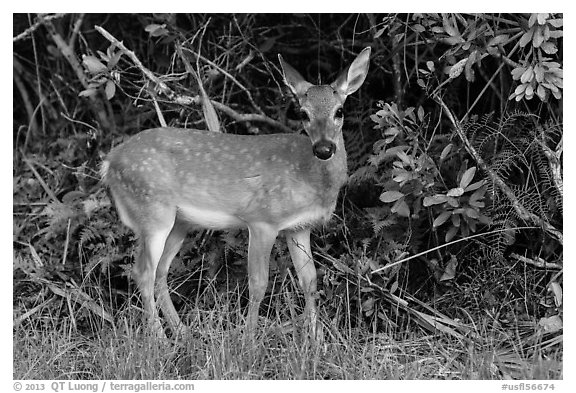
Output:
x=261 y=240
x=299 y=246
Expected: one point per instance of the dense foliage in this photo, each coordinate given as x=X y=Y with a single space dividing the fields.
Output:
x=453 y=210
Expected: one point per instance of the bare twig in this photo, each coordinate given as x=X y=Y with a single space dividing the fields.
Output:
x=187 y=100
x=251 y=117
x=161 y=119
x=76 y=30
x=35 y=26
x=467 y=238
x=67 y=52
x=538 y=262
x=522 y=212
x=231 y=77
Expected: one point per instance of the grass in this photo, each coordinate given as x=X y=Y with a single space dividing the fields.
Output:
x=53 y=343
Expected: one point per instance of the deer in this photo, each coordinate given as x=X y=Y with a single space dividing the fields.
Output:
x=168 y=181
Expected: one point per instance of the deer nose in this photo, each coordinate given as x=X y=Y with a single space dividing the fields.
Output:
x=324 y=149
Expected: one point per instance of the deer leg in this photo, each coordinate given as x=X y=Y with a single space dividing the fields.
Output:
x=144 y=272
x=299 y=246
x=261 y=240
x=171 y=248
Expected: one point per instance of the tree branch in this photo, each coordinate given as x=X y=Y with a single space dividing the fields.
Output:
x=68 y=53
x=187 y=100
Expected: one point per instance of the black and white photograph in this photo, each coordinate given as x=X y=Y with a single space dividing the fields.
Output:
x=202 y=197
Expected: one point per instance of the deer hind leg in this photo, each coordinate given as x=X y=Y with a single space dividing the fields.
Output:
x=261 y=240
x=171 y=247
x=152 y=244
x=299 y=246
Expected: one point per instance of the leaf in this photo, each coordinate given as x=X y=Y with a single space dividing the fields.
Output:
x=404 y=157
x=485 y=220
x=472 y=213
x=518 y=72
x=542 y=18
x=452 y=201
x=527 y=75
x=450 y=269
x=467 y=177
x=401 y=208
x=475 y=186
x=499 y=39
x=556 y=22
x=457 y=69
x=526 y=37
x=391 y=196
x=93 y=65
x=556 y=34
x=551 y=324
x=538 y=38
x=401 y=176
x=556 y=289
x=455 y=192
x=156 y=30
x=450 y=234
x=418 y=28
x=539 y=73
x=441 y=219
x=379 y=33
x=532 y=20
x=549 y=48
x=478 y=194
x=469 y=72
x=394 y=286
x=209 y=113
x=541 y=93
x=449 y=27
x=445 y=152
x=87 y=93
x=437 y=30
x=110 y=90
x=430 y=65
x=546 y=32
x=420 y=114
x=456 y=220
x=151 y=27
x=114 y=59
x=434 y=200
x=477 y=204
x=529 y=92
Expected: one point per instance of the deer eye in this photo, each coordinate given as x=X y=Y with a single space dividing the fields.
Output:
x=303 y=116
x=339 y=113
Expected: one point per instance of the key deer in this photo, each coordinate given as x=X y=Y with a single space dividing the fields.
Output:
x=167 y=181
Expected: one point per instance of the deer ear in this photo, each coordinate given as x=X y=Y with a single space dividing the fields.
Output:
x=353 y=77
x=293 y=79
